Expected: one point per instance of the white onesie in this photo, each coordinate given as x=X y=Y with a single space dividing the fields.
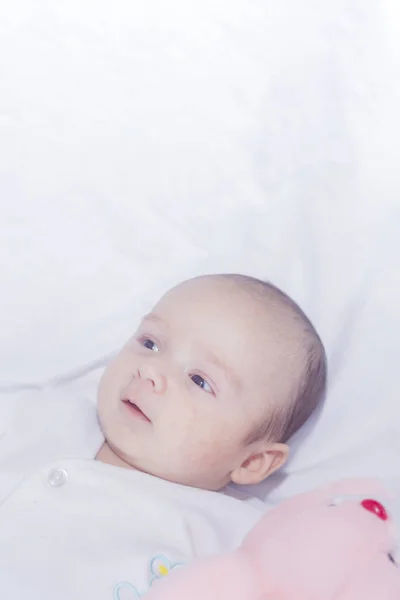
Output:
x=74 y=528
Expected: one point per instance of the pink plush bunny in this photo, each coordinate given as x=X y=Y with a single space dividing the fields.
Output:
x=336 y=543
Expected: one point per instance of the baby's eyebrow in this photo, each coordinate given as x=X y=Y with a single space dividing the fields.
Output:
x=152 y=317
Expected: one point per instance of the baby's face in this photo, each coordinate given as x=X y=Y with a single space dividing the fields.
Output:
x=180 y=398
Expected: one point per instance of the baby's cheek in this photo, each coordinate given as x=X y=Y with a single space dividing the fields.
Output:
x=208 y=442
x=200 y=431
x=116 y=375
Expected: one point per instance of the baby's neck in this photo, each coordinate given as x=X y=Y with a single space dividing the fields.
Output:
x=107 y=455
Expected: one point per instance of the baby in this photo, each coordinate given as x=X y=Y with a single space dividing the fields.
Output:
x=217 y=378
x=208 y=391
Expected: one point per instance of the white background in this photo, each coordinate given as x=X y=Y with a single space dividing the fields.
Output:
x=141 y=142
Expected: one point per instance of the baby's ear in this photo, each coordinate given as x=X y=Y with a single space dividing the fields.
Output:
x=260 y=465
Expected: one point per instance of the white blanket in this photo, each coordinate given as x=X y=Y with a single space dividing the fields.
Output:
x=141 y=142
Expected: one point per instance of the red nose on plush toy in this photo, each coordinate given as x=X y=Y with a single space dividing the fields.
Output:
x=376 y=508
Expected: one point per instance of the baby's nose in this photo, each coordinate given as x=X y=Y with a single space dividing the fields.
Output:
x=158 y=380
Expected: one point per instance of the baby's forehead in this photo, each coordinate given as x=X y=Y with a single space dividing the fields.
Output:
x=226 y=300
x=223 y=315
x=204 y=299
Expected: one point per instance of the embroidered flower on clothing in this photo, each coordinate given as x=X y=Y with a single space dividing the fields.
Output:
x=160 y=566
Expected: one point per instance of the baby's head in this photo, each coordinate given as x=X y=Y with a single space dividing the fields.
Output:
x=221 y=373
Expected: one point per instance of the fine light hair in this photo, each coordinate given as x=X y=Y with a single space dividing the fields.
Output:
x=286 y=417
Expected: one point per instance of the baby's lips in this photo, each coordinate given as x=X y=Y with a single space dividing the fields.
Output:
x=132 y=399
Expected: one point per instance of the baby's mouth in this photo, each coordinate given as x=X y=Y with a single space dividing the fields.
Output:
x=135 y=410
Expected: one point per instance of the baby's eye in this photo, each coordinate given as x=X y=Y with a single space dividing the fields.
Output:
x=147 y=343
x=202 y=383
